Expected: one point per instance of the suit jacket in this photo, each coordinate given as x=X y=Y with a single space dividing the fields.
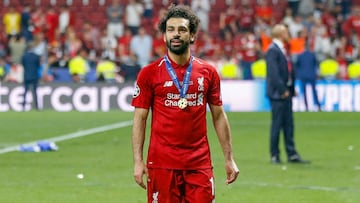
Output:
x=306 y=66
x=32 y=65
x=278 y=78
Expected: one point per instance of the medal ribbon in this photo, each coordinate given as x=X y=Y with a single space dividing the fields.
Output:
x=184 y=88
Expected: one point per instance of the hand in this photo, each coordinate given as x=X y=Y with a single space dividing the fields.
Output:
x=139 y=171
x=285 y=95
x=232 y=171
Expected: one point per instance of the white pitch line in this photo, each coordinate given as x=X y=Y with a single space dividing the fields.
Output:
x=303 y=187
x=73 y=135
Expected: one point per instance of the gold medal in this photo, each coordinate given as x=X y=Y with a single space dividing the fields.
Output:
x=182 y=103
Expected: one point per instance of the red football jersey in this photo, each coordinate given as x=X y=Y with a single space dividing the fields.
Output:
x=178 y=137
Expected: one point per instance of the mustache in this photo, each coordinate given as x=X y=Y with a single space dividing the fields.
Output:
x=176 y=38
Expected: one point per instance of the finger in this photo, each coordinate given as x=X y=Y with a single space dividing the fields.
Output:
x=139 y=181
x=232 y=177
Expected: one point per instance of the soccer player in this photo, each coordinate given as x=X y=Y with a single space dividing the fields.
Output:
x=177 y=88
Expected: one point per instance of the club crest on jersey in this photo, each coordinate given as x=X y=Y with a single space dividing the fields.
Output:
x=168 y=83
x=201 y=84
x=155 y=197
x=136 y=91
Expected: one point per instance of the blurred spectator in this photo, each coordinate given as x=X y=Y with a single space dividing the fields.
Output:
x=158 y=17
x=106 y=70
x=344 y=6
x=294 y=5
x=264 y=11
x=11 y=21
x=258 y=69
x=15 y=74
x=108 y=45
x=229 y=69
x=115 y=13
x=17 y=46
x=296 y=26
x=40 y=46
x=354 y=70
x=79 y=66
x=306 y=8
x=3 y=48
x=72 y=42
x=352 y=23
x=246 y=16
x=52 y=24
x=328 y=69
x=226 y=45
x=227 y=21
x=26 y=24
x=141 y=46
x=248 y=49
x=38 y=21
x=306 y=70
x=206 y=46
x=129 y=68
x=32 y=64
x=343 y=64
x=202 y=9
x=134 y=11
x=91 y=37
x=159 y=46
x=297 y=45
x=4 y=68
x=66 y=19
x=123 y=47
x=350 y=51
x=288 y=18
x=148 y=12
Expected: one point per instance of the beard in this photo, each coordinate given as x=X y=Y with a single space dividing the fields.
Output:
x=179 y=49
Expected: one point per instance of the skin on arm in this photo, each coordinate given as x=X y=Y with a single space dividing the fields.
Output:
x=138 y=139
x=222 y=128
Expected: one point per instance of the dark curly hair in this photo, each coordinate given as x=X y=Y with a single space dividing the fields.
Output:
x=180 y=11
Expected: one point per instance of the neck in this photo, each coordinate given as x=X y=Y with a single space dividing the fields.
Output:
x=180 y=59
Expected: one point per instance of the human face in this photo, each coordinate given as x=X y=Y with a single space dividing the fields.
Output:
x=285 y=36
x=177 y=35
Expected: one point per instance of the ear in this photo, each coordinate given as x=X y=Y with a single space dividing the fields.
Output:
x=192 y=38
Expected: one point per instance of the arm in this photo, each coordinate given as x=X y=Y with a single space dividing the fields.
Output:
x=138 y=138
x=222 y=129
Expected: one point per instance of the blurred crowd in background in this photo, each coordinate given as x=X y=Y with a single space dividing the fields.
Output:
x=110 y=40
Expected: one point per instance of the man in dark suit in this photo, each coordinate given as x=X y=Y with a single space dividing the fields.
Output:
x=280 y=90
x=32 y=64
x=306 y=72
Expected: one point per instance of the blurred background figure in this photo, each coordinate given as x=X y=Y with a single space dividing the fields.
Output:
x=114 y=14
x=12 y=22
x=79 y=66
x=32 y=65
x=133 y=14
x=306 y=70
x=106 y=70
x=202 y=9
x=141 y=45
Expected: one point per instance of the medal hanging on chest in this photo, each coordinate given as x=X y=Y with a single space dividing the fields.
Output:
x=182 y=103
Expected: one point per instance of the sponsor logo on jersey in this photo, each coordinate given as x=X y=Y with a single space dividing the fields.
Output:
x=136 y=91
x=155 y=197
x=168 y=83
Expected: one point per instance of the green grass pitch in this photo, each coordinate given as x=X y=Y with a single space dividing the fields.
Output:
x=330 y=140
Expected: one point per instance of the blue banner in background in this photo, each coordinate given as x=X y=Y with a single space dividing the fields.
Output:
x=239 y=96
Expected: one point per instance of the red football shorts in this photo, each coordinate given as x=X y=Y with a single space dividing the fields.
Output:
x=180 y=186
